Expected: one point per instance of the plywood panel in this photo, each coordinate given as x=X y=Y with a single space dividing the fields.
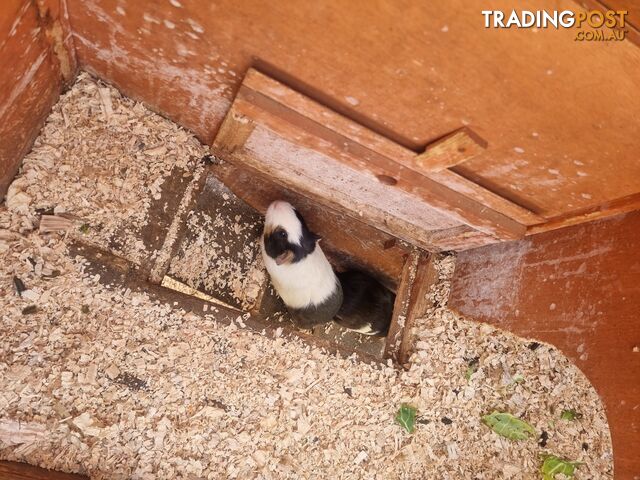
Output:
x=30 y=82
x=579 y=289
x=561 y=128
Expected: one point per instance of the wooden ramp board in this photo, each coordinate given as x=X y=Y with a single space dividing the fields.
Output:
x=218 y=254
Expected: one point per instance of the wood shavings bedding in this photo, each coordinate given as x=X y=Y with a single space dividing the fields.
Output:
x=110 y=383
x=103 y=159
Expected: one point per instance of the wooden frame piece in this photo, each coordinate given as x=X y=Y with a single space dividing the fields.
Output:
x=299 y=119
x=626 y=204
x=452 y=150
x=418 y=277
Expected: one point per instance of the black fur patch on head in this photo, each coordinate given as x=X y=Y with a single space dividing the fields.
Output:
x=277 y=242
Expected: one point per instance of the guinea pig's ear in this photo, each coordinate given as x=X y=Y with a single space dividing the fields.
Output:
x=316 y=238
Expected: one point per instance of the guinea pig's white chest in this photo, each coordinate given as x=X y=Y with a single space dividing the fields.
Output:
x=307 y=282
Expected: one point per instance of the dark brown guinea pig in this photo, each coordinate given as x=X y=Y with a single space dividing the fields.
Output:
x=367 y=306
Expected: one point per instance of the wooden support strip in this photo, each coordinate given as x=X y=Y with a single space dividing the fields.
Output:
x=303 y=131
x=626 y=204
x=426 y=277
x=454 y=149
x=471 y=189
x=401 y=307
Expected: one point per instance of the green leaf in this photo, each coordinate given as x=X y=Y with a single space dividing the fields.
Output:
x=472 y=367
x=508 y=426
x=468 y=372
x=553 y=465
x=84 y=228
x=570 y=415
x=406 y=417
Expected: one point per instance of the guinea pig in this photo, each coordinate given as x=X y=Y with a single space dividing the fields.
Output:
x=368 y=305
x=299 y=270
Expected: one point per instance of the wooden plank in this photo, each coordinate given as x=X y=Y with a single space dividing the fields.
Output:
x=453 y=149
x=301 y=130
x=258 y=89
x=460 y=184
x=615 y=207
x=577 y=288
x=323 y=194
x=23 y=471
x=360 y=135
x=401 y=307
x=29 y=85
x=426 y=278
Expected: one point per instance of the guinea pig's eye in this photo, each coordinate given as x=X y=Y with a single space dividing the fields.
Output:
x=282 y=234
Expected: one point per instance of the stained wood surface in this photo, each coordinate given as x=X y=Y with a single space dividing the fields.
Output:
x=23 y=471
x=579 y=289
x=30 y=81
x=307 y=123
x=561 y=129
x=328 y=155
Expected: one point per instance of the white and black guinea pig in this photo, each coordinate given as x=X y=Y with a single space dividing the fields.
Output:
x=299 y=271
x=368 y=305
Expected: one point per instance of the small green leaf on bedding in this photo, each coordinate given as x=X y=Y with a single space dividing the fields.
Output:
x=552 y=465
x=472 y=367
x=570 y=415
x=506 y=425
x=84 y=228
x=406 y=417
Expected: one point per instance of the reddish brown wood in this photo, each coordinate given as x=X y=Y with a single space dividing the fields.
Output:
x=30 y=82
x=23 y=471
x=561 y=130
x=615 y=207
x=579 y=289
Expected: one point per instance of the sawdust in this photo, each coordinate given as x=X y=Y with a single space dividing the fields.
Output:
x=103 y=159
x=105 y=381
